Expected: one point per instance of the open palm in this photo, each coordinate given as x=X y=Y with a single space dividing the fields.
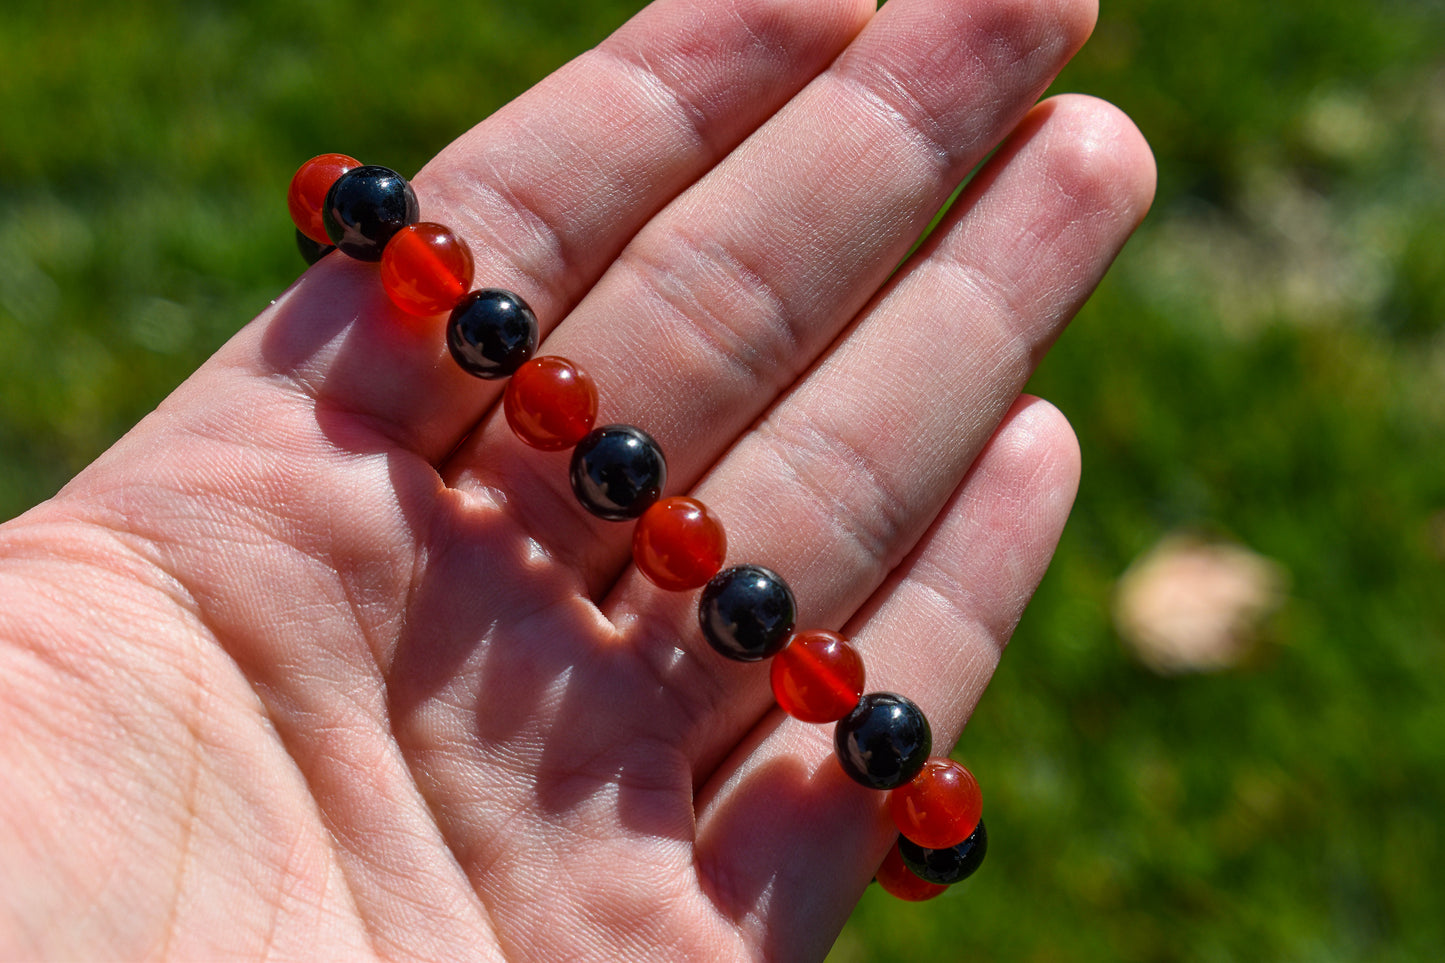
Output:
x=320 y=662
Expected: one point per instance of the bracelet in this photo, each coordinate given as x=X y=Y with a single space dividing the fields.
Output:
x=746 y=612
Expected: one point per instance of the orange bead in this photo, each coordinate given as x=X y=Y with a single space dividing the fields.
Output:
x=307 y=193
x=898 y=880
x=426 y=269
x=940 y=807
x=550 y=403
x=818 y=677
x=679 y=544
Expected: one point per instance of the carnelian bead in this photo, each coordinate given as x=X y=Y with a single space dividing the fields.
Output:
x=426 y=269
x=898 y=880
x=940 y=807
x=307 y=194
x=550 y=403
x=679 y=544
x=818 y=677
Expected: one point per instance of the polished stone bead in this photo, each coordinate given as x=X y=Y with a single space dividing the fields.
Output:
x=950 y=865
x=678 y=544
x=365 y=207
x=426 y=269
x=884 y=741
x=898 y=880
x=747 y=612
x=618 y=472
x=307 y=193
x=818 y=677
x=311 y=250
x=550 y=403
x=492 y=333
x=939 y=807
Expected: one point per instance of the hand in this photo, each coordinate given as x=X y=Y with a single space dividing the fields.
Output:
x=320 y=662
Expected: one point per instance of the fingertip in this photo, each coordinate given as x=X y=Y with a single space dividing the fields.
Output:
x=1038 y=443
x=1102 y=155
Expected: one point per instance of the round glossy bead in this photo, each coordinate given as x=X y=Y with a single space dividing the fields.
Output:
x=884 y=741
x=950 y=865
x=365 y=207
x=939 y=807
x=492 y=333
x=618 y=472
x=311 y=250
x=679 y=544
x=898 y=880
x=307 y=194
x=747 y=612
x=426 y=269
x=818 y=677
x=550 y=403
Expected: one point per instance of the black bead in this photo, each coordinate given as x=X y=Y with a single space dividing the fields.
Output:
x=365 y=207
x=946 y=866
x=884 y=741
x=492 y=333
x=747 y=613
x=312 y=251
x=618 y=472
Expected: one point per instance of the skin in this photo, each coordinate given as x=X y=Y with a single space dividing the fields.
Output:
x=320 y=662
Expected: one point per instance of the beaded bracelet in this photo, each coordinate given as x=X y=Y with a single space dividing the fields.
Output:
x=746 y=612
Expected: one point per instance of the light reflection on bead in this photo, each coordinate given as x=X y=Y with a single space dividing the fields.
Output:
x=939 y=807
x=426 y=269
x=746 y=612
x=884 y=741
x=365 y=207
x=678 y=544
x=818 y=677
x=307 y=194
x=492 y=333
x=550 y=403
x=618 y=471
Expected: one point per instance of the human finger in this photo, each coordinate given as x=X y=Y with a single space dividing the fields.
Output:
x=546 y=192
x=839 y=482
x=786 y=841
x=733 y=290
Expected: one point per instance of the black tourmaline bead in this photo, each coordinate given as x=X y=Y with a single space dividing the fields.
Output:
x=618 y=472
x=492 y=333
x=311 y=250
x=365 y=207
x=747 y=613
x=884 y=741
x=946 y=866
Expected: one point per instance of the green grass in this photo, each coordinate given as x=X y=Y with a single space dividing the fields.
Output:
x=1267 y=363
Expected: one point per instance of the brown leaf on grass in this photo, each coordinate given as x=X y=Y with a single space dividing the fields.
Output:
x=1193 y=605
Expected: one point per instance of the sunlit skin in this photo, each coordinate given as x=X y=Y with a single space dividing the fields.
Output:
x=321 y=662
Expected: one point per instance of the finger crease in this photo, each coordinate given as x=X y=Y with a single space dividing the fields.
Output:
x=907 y=115
x=865 y=509
x=752 y=306
x=693 y=117
x=544 y=261
x=986 y=296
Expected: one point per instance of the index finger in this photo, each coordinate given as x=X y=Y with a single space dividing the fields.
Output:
x=546 y=192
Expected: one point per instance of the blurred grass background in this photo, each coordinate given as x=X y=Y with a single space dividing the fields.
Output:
x=1265 y=365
